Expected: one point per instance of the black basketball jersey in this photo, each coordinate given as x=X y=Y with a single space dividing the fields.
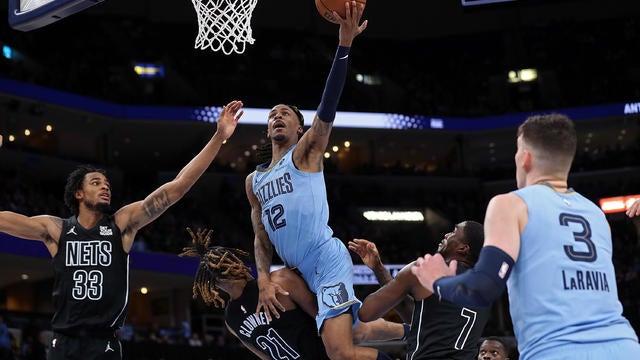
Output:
x=292 y=336
x=443 y=330
x=91 y=277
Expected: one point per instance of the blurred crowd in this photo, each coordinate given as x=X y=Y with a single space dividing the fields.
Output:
x=578 y=62
x=435 y=77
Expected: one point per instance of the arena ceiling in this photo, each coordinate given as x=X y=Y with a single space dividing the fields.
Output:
x=408 y=19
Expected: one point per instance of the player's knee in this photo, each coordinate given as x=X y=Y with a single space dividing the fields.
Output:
x=360 y=332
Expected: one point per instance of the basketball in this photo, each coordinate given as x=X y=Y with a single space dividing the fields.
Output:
x=325 y=8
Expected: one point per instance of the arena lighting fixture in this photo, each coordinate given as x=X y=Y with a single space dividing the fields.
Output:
x=368 y=79
x=146 y=70
x=7 y=52
x=393 y=215
x=482 y=2
x=522 y=75
x=617 y=204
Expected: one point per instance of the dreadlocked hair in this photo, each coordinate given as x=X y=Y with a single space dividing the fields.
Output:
x=217 y=263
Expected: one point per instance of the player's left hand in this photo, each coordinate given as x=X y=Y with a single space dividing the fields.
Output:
x=228 y=118
x=430 y=268
x=267 y=299
x=350 y=26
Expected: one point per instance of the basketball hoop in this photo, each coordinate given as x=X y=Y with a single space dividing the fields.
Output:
x=224 y=24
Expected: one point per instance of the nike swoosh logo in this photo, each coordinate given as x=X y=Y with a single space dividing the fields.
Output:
x=344 y=57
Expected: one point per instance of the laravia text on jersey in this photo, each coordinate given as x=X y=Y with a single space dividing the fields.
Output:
x=585 y=280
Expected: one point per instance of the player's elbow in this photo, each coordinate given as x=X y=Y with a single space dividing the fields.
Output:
x=365 y=315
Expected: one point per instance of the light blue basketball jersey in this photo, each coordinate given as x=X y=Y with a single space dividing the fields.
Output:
x=562 y=289
x=295 y=212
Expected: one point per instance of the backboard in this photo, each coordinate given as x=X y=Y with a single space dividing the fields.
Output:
x=27 y=15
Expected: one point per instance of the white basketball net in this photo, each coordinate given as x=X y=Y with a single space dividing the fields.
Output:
x=224 y=24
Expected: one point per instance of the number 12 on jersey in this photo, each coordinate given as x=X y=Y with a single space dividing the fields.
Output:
x=275 y=217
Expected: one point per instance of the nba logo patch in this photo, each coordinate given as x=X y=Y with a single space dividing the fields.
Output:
x=334 y=295
x=503 y=270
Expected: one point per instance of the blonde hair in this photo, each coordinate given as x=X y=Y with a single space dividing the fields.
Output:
x=216 y=263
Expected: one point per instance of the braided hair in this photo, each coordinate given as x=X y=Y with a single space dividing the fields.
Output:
x=216 y=263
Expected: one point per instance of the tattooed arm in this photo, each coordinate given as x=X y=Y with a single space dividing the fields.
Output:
x=268 y=290
x=43 y=228
x=133 y=217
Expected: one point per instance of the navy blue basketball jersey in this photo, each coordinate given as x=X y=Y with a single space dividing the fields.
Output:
x=91 y=277
x=292 y=336
x=443 y=330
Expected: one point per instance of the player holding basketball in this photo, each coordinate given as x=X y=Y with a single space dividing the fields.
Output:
x=90 y=249
x=293 y=335
x=289 y=209
x=552 y=248
x=439 y=329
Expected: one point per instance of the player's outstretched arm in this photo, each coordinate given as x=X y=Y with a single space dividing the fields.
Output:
x=134 y=216
x=379 y=330
x=308 y=155
x=43 y=228
x=370 y=256
x=389 y=297
x=268 y=290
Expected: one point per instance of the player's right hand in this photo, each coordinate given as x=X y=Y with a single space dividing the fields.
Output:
x=367 y=251
x=228 y=119
x=267 y=299
x=350 y=26
x=634 y=209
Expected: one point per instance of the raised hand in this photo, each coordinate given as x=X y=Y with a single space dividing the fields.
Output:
x=634 y=209
x=350 y=26
x=367 y=251
x=228 y=118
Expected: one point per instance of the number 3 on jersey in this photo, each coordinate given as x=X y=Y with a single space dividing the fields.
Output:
x=583 y=236
x=274 y=215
